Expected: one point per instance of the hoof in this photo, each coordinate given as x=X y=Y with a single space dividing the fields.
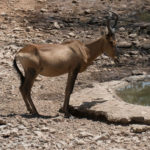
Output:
x=61 y=110
x=35 y=113
x=29 y=110
x=67 y=115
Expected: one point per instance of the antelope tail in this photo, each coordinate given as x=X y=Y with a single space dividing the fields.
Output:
x=22 y=78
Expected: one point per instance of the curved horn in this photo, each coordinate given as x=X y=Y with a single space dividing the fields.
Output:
x=110 y=30
x=116 y=20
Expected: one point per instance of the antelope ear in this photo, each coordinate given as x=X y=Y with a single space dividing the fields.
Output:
x=106 y=31
x=103 y=31
x=109 y=36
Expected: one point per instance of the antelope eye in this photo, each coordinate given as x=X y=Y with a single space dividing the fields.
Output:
x=111 y=42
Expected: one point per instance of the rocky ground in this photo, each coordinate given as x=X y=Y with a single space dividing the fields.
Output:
x=55 y=21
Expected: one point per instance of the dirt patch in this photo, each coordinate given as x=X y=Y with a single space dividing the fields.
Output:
x=54 y=21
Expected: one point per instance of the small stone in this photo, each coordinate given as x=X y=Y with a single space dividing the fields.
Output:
x=38 y=133
x=134 y=35
x=6 y=134
x=104 y=137
x=51 y=130
x=74 y=2
x=39 y=35
x=56 y=25
x=41 y=0
x=43 y=10
x=3 y=27
x=59 y=145
x=126 y=55
x=101 y=137
x=17 y=29
x=99 y=142
x=146 y=46
x=21 y=127
x=71 y=34
x=79 y=142
x=117 y=149
x=133 y=52
x=124 y=44
x=137 y=43
x=3 y=14
x=44 y=129
x=137 y=72
x=14 y=132
x=139 y=128
x=136 y=139
x=63 y=143
x=39 y=78
x=28 y=29
x=58 y=119
x=87 y=11
x=85 y=134
x=96 y=138
x=2 y=122
x=122 y=29
x=123 y=6
x=13 y=47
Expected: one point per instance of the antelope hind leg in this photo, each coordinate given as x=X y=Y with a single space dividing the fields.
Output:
x=30 y=76
x=25 y=98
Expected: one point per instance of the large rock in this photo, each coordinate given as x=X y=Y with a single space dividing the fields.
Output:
x=100 y=101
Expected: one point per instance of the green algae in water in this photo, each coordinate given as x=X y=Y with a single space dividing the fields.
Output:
x=136 y=93
x=145 y=16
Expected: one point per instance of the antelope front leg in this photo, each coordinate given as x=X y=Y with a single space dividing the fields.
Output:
x=69 y=89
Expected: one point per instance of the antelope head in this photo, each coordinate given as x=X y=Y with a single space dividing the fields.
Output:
x=110 y=47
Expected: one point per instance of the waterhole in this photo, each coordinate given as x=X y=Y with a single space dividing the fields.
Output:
x=136 y=93
x=145 y=16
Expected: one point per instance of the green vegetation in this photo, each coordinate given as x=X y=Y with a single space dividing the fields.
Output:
x=144 y=17
x=137 y=93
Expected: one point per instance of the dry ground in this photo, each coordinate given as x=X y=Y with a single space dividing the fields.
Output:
x=44 y=21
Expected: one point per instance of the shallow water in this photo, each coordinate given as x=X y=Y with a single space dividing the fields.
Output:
x=145 y=16
x=136 y=93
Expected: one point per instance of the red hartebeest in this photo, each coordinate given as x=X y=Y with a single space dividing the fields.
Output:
x=56 y=59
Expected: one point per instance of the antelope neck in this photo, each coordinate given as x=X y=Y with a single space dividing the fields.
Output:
x=95 y=49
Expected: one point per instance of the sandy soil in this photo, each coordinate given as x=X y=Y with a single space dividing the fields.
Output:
x=43 y=21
